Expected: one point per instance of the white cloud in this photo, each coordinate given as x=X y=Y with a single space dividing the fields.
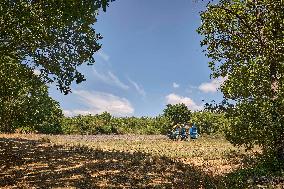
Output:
x=175 y=85
x=67 y=113
x=36 y=72
x=176 y=99
x=212 y=86
x=138 y=88
x=116 y=81
x=103 y=55
x=70 y=113
x=98 y=102
x=111 y=79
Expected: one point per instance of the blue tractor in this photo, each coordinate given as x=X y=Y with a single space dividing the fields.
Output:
x=183 y=132
x=174 y=134
x=193 y=132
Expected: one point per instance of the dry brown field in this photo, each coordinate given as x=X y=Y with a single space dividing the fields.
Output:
x=119 y=161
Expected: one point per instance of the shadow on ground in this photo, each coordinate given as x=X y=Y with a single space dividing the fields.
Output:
x=35 y=164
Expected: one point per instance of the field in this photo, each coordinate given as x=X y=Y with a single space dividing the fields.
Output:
x=120 y=161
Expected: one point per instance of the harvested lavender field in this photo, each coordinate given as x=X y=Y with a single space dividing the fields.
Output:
x=119 y=161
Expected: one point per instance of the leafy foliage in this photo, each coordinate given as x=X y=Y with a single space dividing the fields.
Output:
x=177 y=113
x=212 y=119
x=210 y=122
x=244 y=40
x=24 y=101
x=106 y=124
x=53 y=36
x=265 y=172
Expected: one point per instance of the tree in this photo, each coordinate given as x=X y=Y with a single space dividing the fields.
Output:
x=177 y=113
x=54 y=37
x=24 y=101
x=209 y=122
x=244 y=40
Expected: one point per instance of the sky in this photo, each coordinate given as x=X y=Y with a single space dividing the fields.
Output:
x=150 y=57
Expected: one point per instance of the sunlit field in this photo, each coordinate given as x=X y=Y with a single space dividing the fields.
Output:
x=119 y=161
x=213 y=154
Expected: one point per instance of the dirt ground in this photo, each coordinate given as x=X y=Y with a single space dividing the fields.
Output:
x=117 y=161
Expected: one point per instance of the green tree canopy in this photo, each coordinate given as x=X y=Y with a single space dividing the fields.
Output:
x=245 y=42
x=24 y=101
x=177 y=113
x=54 y=36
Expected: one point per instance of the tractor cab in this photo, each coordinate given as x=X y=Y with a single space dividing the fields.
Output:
x=193 y=132
x=174 y=134
x=183 y=132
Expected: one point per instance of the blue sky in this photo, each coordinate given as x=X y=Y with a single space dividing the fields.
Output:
x=150 y=56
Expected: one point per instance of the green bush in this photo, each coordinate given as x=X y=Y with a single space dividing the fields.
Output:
x=209 y=122
x=106 y=124
x=50 y=128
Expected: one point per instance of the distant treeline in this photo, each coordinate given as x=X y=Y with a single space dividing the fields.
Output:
x=105 y=123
